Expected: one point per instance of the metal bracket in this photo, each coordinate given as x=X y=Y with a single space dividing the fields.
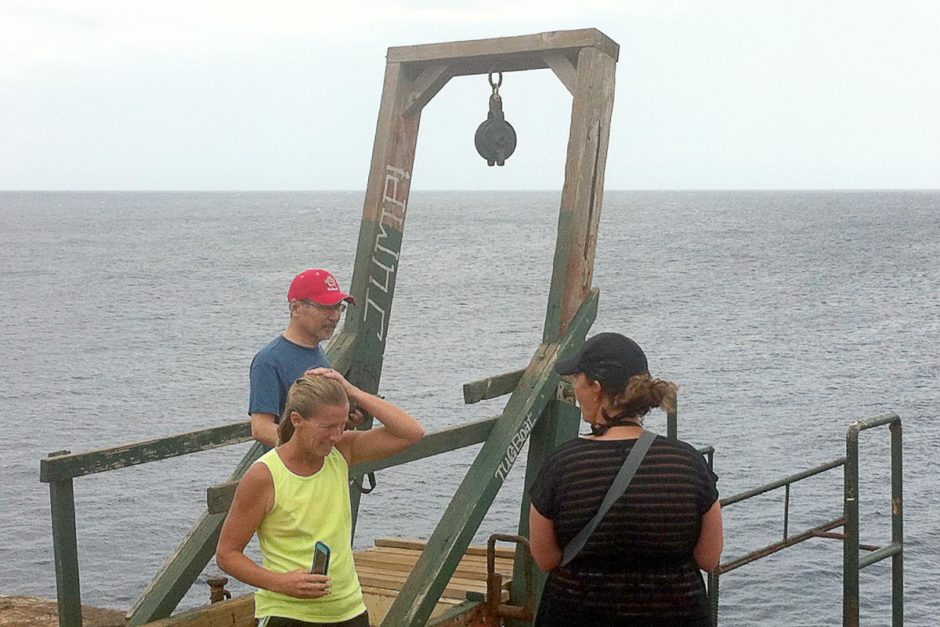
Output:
x=494 y=581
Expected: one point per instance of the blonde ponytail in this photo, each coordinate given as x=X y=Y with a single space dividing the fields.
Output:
x=307 y=396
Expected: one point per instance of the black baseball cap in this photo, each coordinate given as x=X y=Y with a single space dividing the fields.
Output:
x=611 y=358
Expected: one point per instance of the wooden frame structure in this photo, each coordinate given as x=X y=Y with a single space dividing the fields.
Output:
x=585 y=62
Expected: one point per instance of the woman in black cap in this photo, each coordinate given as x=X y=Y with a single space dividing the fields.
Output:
x=638 y=562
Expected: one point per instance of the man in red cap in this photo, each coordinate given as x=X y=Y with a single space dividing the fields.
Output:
x=316 y=305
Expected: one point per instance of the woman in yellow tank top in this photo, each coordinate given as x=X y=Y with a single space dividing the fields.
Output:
x=297 y=494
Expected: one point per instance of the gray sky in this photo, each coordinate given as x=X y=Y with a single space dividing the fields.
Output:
x=211 y=95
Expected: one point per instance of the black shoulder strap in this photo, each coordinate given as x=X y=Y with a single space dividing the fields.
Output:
x=617 y=488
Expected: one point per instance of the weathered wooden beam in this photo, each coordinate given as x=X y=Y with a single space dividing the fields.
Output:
x=435 y=444
x=340 y=349
x=466 y=614
x=559 y=423
x=564 y=69
x=219 y=497
x=65 y=549
x=493 y=387
x=431 y=80
x=380 y=234
x=583 y=191
x=81 y=464
x=486 y=475
x=237 y=612
x=485 y=55
x=170 y=585
x=591 y=83
x=173 y=582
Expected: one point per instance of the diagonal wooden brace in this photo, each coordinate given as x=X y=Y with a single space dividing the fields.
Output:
x=473 y=498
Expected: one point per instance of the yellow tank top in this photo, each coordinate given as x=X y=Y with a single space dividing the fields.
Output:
x=307 y=509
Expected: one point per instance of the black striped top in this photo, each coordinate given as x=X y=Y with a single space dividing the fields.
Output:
x=638 y=562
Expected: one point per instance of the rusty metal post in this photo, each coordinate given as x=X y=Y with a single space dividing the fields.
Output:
x=850 y=545
x=217 y=591
x=713 y=578
x=897 y=528
x=494 y=580
x=850 y=560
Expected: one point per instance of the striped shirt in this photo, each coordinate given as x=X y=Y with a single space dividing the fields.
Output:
x=638 y=563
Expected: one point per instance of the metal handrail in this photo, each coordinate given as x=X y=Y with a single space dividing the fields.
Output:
x=852 y=562
x=786 y=542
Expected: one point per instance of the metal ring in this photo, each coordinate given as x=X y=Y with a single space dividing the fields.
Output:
x=498 y=83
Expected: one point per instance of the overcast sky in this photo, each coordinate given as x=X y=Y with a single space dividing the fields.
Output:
x=284 y=94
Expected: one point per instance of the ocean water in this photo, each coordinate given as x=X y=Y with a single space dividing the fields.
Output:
x=783 y=317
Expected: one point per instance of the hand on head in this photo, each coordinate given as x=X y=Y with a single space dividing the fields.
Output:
x=329 y=373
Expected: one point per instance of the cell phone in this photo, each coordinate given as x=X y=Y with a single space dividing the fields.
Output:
x=321 y=559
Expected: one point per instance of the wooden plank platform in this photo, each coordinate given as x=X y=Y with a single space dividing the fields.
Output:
x=384 y=568
x=388 y=564
x=382 y=571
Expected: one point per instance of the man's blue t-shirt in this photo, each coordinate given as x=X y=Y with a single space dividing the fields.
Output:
x=274 y=369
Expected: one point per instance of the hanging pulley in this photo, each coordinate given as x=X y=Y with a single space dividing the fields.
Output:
x=495 y=138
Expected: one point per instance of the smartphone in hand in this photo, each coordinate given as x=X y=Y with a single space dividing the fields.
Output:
x=321 y=559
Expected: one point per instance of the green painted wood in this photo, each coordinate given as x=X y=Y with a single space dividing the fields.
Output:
x=493 y=387
x=380 y=235
x=81 y=464
x=219 y=498
x=341 y=345
x=435 y=444
x=470 y=612
x=65 y=548
x=486 y=475
x=563 y=247
x=191 y=556
x=175 y=580
x=573 y=264
x=559 y=423
x=583 y=190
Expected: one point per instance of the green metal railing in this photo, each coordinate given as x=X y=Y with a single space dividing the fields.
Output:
x=852 y=562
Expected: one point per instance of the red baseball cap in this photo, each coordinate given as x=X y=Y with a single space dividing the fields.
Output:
x=319 y=286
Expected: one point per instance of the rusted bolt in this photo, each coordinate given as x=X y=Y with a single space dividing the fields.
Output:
x=217 y=591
